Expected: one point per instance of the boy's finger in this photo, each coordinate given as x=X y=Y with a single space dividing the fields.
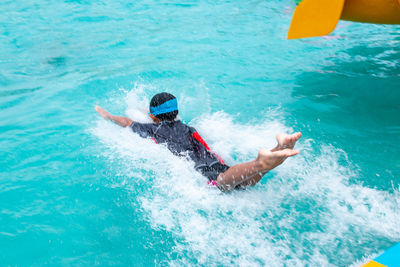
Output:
x=293 y=152
x=287 y=152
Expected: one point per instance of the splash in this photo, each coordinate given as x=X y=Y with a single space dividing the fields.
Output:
x=309 y=211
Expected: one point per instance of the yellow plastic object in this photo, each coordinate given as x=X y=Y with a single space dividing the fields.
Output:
x=374 y=264
x=315 y=18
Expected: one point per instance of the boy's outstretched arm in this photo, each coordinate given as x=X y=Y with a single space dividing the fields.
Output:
x=121 y=121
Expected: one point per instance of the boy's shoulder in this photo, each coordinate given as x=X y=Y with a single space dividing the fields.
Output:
x=191 y=129
x=177 y=125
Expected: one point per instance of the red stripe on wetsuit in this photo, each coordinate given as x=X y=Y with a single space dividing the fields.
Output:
x=201 y=141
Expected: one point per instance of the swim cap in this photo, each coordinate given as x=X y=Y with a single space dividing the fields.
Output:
x=164 y=106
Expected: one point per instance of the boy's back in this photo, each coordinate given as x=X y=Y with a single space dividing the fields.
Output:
x=180 y=139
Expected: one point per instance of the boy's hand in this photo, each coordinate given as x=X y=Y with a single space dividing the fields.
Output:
x=121 y=121
x=104 y=113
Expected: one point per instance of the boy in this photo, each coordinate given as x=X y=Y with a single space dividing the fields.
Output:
x=184 y=140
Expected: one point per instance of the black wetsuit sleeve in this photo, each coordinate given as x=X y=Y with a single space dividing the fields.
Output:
x=192 y=130
x=143 y=129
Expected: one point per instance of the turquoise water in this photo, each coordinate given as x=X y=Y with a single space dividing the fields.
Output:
x=76 y=190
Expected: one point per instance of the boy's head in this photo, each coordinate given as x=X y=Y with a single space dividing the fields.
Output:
x=164 y=106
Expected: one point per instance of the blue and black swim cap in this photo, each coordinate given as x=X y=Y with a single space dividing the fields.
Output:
x=164 y=106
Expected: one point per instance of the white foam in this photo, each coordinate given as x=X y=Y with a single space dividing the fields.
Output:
x=306 y=212
x=138 y=103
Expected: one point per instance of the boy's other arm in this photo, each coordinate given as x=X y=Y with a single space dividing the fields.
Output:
x=121 y=121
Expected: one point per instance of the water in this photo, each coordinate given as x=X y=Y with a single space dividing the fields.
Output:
x=76 y=190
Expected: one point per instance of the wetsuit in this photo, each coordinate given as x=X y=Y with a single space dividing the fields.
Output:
x=183 y=140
